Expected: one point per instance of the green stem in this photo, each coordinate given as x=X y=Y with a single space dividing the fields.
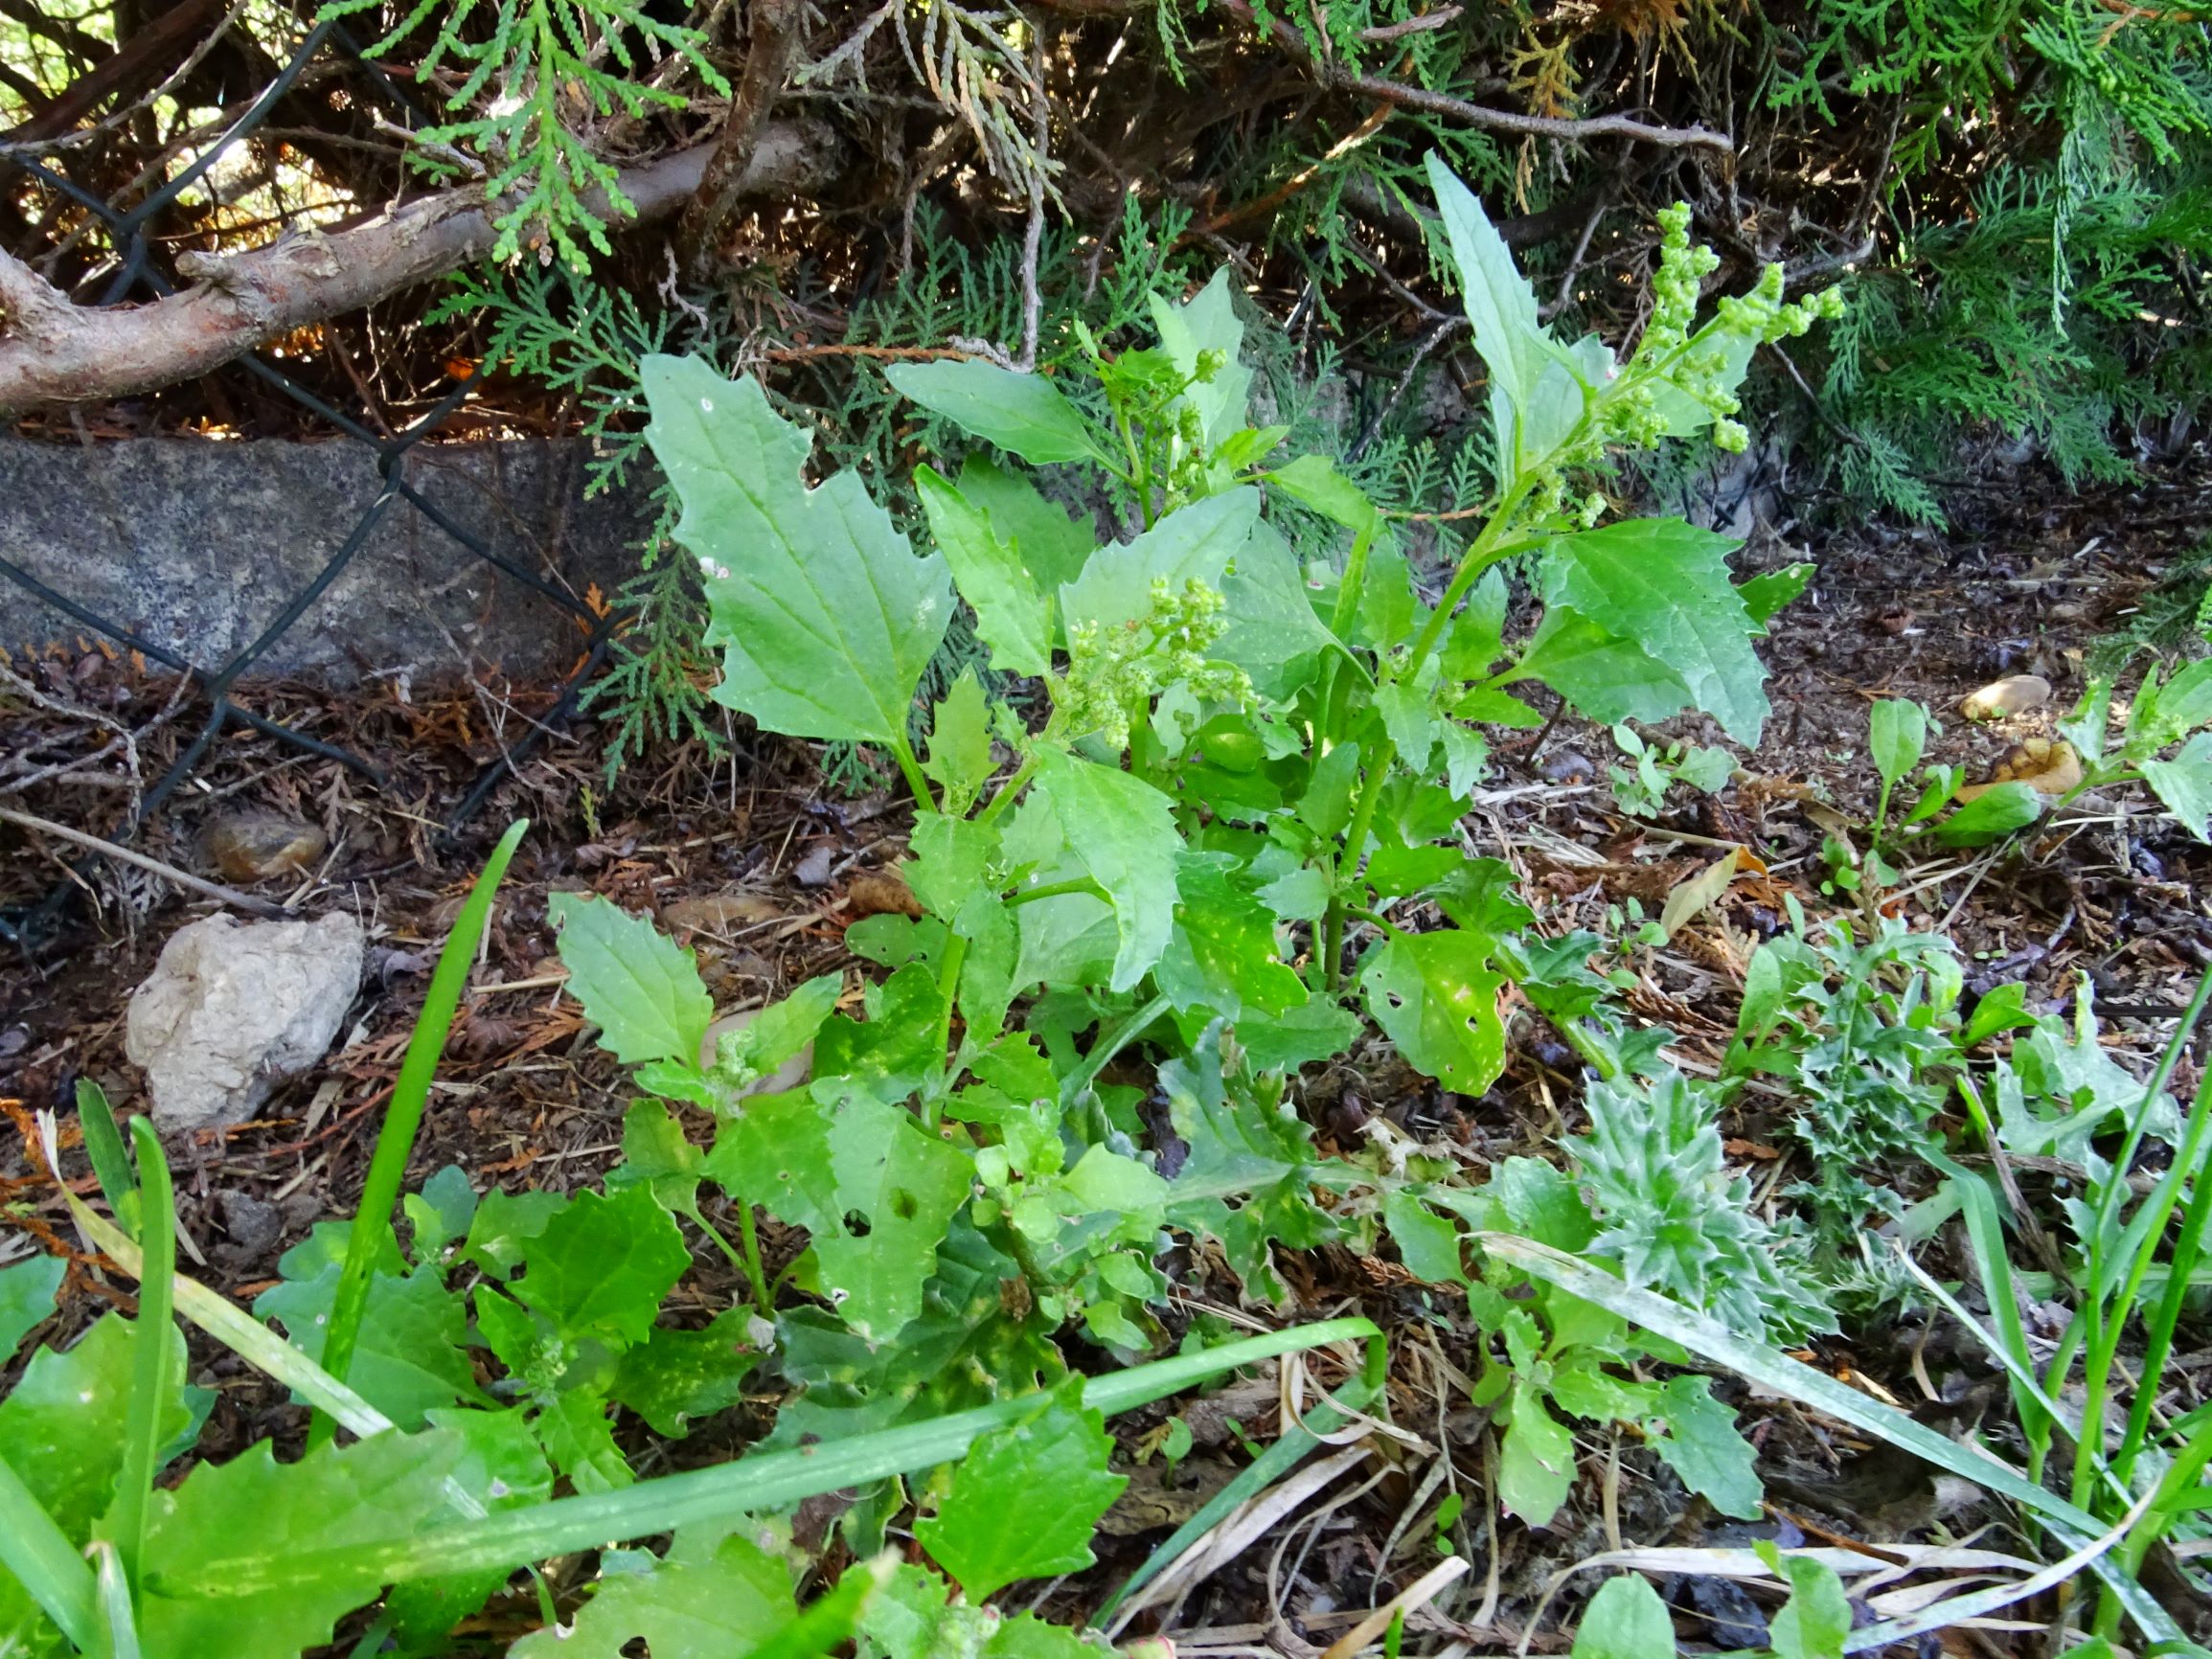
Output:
x=1483 y=551
x=1355 y=840
x=902 y=750
x=1012 y=787
x=1103 y=1052
x=1059 y=890
x=749 y=1234
x=1375 y=918
x=150 y=1338
x=403 y=1120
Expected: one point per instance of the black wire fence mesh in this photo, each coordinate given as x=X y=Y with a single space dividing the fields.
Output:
x=135 y=276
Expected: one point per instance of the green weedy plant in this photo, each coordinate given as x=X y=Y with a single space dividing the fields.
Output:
x=1640 y=788
x=1247 y=776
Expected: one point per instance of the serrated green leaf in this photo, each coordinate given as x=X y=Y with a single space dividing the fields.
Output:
x=1011 y=617
x=2183 y=784
x=387 y=1485
x=602 y=1265
x=502 y=1465
x=814 y=1164
x=408 y=1360
x=1123 y=832
x=62 y=1424
x=1896 y=737
x=1435 y=996
x=1311 y=480
x=1428 y=1243
x=726 y=1605
x=1273 y=634
x=1766 y=593
x=1192 y=543
x=987 y=973
x=578 y=1437
x=1603 y=675
x=1477 y=636
x=502 y=1228
x=1326 y=806
x=1992 y=816
x=1387 y=607
x=1535 y=1461
x=1053 y=546
x=1513 y=345
x=27 y=1298
x=1466 y=758
x=1316 y=1030
x=959 y=760
x=1663 y=584
x=1223 y=953
x=1816 y=1619
x=1300 y=895
x=1625 y=1619
x=890 y=1052
x=641 y=988
x=1703 y=1447
x=1410 y=722
x=1024 y=1500
x=440 y=1214
x=676 y=1376
x=825 y=616
x=950 y=860
x=1022 y=414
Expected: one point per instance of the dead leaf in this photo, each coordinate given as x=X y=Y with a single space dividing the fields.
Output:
x=2014 y=694
x=877 y=892
x=1699 y=892
x=2047 y=766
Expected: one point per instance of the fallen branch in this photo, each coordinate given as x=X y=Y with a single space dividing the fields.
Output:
x=777 y=26
x=51 y=350
x=184 y=878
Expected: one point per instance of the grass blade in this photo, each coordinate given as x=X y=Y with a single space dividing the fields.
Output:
x=1784 y=1376
x=117 y=1617
x=151 y=1337
x=509 y=1538
x=403 y=1118
x=103 y=1145
x=36 y=1550
x=234 y=1329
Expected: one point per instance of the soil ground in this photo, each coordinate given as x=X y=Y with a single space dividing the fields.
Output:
x=760 y=865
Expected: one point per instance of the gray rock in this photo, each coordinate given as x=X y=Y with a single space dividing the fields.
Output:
x=232 y=1009
x=197 y=546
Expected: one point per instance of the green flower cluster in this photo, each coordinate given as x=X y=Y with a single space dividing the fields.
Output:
x=1672 y=364
x=1114 y=673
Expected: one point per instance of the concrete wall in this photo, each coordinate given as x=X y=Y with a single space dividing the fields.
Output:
x=198 y=545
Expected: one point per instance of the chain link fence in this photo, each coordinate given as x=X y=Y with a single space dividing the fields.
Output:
x=37 y=926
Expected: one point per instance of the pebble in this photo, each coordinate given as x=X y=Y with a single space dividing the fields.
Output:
x=255 y=846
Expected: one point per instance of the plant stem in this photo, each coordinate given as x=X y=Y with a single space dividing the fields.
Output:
x=1355 y=840
x=902 y=750
x=749 y=1235
x=1059 y=890
x=1012 y=787
x=1103 y=1052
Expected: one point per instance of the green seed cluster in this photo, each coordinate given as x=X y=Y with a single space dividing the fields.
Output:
x=1114 y=673
x=1701 y=367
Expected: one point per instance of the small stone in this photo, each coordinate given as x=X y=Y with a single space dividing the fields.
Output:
x=1566 y=766
x=253 y=1224
x=2014 y=694
x=813 y=870
x=719 y=912
x=232 y=1009
x=250 y=846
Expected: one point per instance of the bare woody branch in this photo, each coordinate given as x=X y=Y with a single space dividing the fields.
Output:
x=51 y=350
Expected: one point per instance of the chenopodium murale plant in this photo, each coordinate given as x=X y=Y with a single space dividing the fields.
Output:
x=1230 y=849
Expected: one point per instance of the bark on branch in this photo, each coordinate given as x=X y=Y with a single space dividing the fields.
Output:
x=54 y=351
x=777 y=24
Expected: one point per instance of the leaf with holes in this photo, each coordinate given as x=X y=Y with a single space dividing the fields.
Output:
x=1435 y=995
